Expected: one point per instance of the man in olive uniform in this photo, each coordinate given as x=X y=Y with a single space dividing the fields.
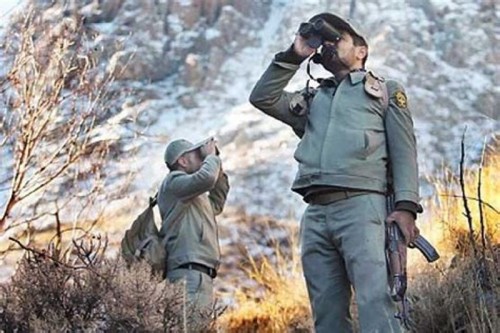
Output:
x=190 y=197
x=348 y=128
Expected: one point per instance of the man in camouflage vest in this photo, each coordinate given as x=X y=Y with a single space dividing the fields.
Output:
x=191 y=195
x=348 y=127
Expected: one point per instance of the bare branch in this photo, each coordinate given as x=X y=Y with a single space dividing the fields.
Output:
x=480 y=203
x=45 y=255
x=473 y=199
x=55 y=101
x=467 y=214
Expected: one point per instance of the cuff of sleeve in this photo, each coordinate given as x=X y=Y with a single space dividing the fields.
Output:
x=289 y=56
x=405 y=195
x=407 y=206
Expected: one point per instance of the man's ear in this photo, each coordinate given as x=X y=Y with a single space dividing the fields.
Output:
x=361 y=52
x=182 y=161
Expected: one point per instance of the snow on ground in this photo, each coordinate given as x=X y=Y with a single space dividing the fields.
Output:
x=258 y=151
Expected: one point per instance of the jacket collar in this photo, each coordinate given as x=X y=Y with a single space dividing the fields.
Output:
x=357 y=76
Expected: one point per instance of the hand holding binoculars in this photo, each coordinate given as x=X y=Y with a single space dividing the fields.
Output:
x=317 y=32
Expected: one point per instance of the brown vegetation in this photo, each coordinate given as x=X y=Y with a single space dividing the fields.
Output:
x=79 y=290
x=278 y=302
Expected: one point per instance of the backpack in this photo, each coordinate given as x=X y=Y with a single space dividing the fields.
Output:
x=143 y=242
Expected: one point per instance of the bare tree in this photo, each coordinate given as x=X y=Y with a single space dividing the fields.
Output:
x=55 y=95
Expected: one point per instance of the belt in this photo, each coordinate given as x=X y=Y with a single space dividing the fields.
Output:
x=331 y=197
x=200 y=268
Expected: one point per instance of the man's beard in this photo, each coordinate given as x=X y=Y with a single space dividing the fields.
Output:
x=330 y=60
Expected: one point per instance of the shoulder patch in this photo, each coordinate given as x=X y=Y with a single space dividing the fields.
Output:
x=400 y=99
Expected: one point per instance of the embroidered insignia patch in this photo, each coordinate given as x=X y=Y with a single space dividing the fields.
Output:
x=401 y=99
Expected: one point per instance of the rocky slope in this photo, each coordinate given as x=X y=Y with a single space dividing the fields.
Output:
x=190 y=66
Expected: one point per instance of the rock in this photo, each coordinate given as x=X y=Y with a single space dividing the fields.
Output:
x=188 y=101
x=194 y=70
x=188 y=12
x=487 y=103
x=145 y=63
x=101 y=11
x=231 y=24
x=211 y=10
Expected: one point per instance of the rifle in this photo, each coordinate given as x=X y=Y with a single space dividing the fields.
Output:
x=396 y=255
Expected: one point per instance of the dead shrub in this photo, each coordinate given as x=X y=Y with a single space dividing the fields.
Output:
x=79 y=290
x=461 y=293
x=460 y=299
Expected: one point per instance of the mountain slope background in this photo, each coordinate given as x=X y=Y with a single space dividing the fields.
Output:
x=185 y=68
x=190 y=66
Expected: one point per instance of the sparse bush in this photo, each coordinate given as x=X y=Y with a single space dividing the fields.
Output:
x=462 y=293
x=82 y=291
x=459 y=299
x=54 y=97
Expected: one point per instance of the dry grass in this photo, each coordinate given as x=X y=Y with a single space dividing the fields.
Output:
x=446 y=223
x=279 y=302
x=457 y=294
x=461 y=292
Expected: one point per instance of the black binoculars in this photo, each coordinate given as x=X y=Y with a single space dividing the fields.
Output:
x=317 y=32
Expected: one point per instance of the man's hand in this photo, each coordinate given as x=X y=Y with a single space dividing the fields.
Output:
x=406 y=223
x=301 y=48
x=208 y=148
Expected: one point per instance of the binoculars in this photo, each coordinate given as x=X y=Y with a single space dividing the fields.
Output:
x=317 y=32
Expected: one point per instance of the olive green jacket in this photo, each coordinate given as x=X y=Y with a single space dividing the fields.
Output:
x=343 y=133
x=188 y=205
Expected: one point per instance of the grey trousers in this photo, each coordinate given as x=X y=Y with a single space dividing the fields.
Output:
x=199 y=295
x=342 y=246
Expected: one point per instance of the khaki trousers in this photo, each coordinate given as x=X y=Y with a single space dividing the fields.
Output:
x=342 y=246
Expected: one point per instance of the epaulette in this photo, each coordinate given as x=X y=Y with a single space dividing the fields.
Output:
x=374 y=85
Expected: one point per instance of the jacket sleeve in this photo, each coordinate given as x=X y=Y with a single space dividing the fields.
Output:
x=402 y=145
x=218 y=193
x=268 y=94
x=186 y=186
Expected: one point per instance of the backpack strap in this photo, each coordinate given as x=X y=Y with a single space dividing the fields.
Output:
x=153 y=200
x=170 y=220
x=142 y=245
